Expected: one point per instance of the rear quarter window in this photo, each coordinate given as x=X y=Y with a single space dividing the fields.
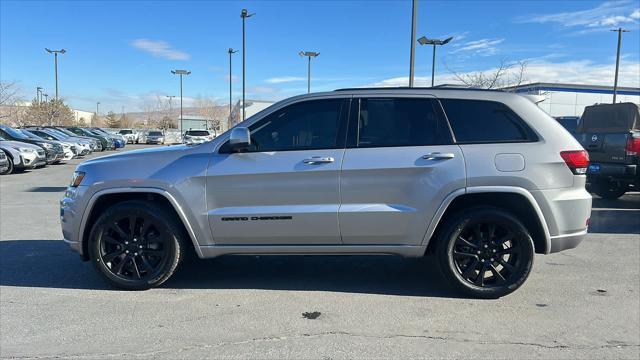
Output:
x=481 y=121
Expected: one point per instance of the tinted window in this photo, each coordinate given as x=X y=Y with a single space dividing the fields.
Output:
x=306 y=125
x=14 y=133
x=155 y=133
x=569 y=123
x=197 y=133
x=126 y=132
x=400 y=122
x=477 y=121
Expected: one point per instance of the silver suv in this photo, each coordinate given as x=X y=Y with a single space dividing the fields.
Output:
x=480 y=180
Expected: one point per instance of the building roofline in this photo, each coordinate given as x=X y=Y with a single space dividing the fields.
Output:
x=603 y=89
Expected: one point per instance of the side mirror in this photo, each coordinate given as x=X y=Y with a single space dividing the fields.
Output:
x=239 y=139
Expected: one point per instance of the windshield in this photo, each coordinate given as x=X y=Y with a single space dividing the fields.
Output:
x=155 y=133
x=126 y=132
x=30 y=135
x=570 y=123
x=197 y=133
x=14 y=133
x=54 y=132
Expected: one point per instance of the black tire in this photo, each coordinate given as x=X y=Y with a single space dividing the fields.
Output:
x=608 y=189
x=10 y=168
x=157 y=240
x=505 y=248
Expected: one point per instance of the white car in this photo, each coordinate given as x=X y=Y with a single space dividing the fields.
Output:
x=130 y=135
x=197 y=136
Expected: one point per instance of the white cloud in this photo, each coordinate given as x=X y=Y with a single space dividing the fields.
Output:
x=159 y=48
x=612 y=13
x=573 y=72
x=284 y=79
x=483 y=47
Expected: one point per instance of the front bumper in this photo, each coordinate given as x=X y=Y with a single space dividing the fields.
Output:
x=33 y=160
x=71 y=212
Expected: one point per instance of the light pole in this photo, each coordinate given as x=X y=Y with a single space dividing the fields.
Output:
x=309 y=55
x=615 y=82
x=231 y=52
x=180 y=72
x=244 y=15
x=95 y=120
x=39 y=94
x=46 y=98
x=414 y=10
x=55 y=56
x=425 y=41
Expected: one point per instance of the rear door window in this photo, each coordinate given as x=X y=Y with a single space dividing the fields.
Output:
x=480 y=121
x=385 y=122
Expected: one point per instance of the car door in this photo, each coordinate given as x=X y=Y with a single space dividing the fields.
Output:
x=399 y=165
x=284 y=189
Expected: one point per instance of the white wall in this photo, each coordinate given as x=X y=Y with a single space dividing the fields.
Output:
x=560 y=103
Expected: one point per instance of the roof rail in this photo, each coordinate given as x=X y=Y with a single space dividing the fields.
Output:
x=437 y=87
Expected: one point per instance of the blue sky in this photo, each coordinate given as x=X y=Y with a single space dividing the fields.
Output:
x=121 y=52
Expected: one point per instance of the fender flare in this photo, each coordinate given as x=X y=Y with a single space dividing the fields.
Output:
x=176 y=206
x=433 y=225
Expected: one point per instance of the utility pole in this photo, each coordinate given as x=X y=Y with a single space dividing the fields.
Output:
x=38 y=95
x=180 y=72
x=615 y=82
x=309 y=55
x=231 y=52
x=244 y=15
x=414 y=10
x=55 y=56
x=95 y=118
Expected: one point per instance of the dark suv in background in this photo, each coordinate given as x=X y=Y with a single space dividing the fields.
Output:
x=611 y=135
x=107 y=143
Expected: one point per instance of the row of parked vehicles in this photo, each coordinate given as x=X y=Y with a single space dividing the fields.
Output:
x=169 y=136
x=32 y=147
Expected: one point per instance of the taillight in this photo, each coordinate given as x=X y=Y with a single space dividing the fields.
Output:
x=633 y=146
x=576 y=160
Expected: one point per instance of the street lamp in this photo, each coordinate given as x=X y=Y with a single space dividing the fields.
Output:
x=244 y=15
x=615 y=82
x=414 y=15
x=425 y=41
x=55 y=56
x=39 y=94
x=231 y=52
x=95 y=118
x=46 y=98
x=180 y=72
x=309 y=55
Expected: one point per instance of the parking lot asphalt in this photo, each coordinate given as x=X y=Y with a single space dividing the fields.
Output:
x=581 y=303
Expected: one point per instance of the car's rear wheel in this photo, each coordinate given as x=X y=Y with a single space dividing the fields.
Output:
x=608 y=189
x=485 y=252
x=137 y=245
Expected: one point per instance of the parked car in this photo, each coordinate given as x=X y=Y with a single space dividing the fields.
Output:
x=69 y=151
x=154 y=137
x=354 y=171
x=611 y=135
x=118 y=140
x=22 y=155
x=129 y=135
x=79 y=146
x=172 y=136
x=53 y=151
x=197 y=136
x=105 y=142
x=94 y=143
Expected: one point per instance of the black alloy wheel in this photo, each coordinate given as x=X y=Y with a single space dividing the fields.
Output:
x=136 y=245
x=487 y=253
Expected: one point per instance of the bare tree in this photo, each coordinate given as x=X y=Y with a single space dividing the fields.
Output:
x=505 y=75
x=9 y=93
x=215 y=114
x=52 y=112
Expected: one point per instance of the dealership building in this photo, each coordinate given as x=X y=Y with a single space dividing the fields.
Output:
x=559 y=99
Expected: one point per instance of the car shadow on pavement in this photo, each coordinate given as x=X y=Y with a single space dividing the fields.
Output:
x=616 y=216
x=50 y=264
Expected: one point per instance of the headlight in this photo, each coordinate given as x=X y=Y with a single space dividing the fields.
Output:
x=66 y=146
x=77 y=178
x=27 y=150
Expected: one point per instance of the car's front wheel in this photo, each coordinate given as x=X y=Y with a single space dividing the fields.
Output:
x=485 y=252
x=9 y=166
x=137 y=245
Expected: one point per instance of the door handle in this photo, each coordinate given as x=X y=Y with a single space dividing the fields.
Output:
x=438 y=156
x=318 y=160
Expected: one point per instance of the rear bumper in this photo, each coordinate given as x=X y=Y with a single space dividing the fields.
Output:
x=567 y=241
x=614 y=170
